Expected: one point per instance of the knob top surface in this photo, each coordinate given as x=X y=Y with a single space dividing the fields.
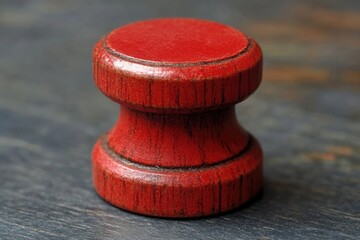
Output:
x=177 y=65
x=176 y=41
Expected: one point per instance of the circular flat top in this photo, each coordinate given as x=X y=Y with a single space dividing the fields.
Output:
x=175 y=40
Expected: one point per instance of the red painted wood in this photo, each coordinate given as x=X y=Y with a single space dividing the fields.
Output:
x=177 y=149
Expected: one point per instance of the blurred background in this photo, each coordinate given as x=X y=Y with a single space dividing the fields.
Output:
x=306 y=115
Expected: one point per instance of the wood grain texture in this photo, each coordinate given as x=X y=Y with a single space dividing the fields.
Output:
x=177 y=149
x=306 y=116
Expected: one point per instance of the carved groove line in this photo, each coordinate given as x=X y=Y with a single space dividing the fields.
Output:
x=129 y=162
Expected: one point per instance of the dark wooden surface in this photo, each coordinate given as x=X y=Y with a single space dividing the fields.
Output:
x=306 y=115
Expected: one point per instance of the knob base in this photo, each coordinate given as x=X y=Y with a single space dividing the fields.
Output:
x=180 y=192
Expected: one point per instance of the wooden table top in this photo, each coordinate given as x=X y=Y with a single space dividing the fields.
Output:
x=305 y=114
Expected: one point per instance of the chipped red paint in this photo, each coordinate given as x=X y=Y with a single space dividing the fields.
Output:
x=177 y=149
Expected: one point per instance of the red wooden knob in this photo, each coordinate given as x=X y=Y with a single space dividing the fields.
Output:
x=177 y=149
